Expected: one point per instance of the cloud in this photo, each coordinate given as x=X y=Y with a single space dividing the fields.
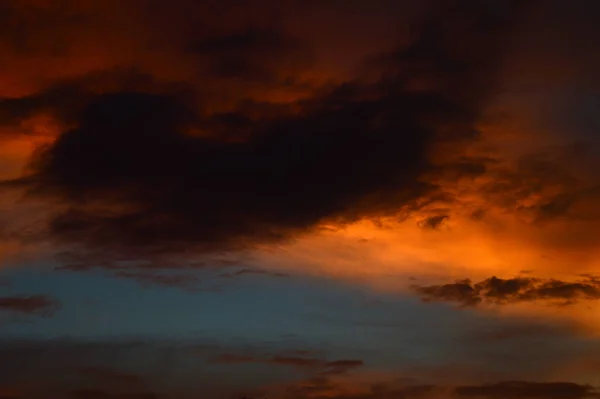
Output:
x=369 y=388
x=133 y=177
x=149 y=279
x=180 y=191
x=321 y=366
x=9 y=393
x=433 y=222
x=172 y=369
x=259 y=272
x=320 y=387
x=342 y=366
x=233 y=359
x=534 y=331
x=295 y=361
x=523 y=389
x=39 y=305
x=256 y=72
x=461 y=292
x=147 y=274
x=102 y=394
x=110 y=376
x=172 y=272
x=519 y=289
x=253 y=54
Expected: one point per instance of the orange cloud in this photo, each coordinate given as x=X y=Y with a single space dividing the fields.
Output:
x=430 y=160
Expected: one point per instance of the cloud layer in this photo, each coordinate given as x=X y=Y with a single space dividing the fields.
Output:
x=520 y=289
x=40 y=305
x=144 y=165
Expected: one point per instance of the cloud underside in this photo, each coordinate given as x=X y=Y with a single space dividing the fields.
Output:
x=135 y=369
x=505 y=291
x=40 y=305
x=238 y=135
x=317 y=387
x=142 y=165
x=322 y=366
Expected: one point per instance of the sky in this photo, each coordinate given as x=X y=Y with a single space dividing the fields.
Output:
x=299 y=199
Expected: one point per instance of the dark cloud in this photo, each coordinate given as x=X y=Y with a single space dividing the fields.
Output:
x=70 y=368
x=111 y=376
x=528 y=331
x=295 y=361
x=543 y=186
x=519 y=289
x=253 y=54
x=172 y=369
x=327 y=387
x=433 y=222
x=149 y=279
x=513 y=389
x=311 y=387
x=66 y=98
x=147 y=274
x=133 y=179
x=342 y=366
x=39 y=305
x=10 y=394
x=522 y=389
x=227 y=358
x=92 y=393
x=255 y=272
x=321 y=366
x=186 y=191
x=157 y=272
x=59 y=100
x=461 y=291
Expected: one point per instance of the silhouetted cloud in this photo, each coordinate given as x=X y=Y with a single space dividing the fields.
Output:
x=327 y=387
x=258 y=272
x=342 y=366
x=93 y=393
x=149 y=279
x=105 y=375
x=321 y=366
x=115 y=369
x=534 y=330
x=524 y=389
x=433 y=222
x=135 y=176
x=252 y=54
x=519 y=289
x=320 y=386
x=39 y=305
x=227 y=358
x=295 y=361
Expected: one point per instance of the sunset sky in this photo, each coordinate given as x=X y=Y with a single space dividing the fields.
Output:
x=290 y=199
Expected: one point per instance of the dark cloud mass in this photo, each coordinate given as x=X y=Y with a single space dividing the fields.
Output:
x=524 y=389
x=40 y=305
x=129 y=152
x=519 y=289
x=272 y=171
x=323 y=366
x=253 y=55
x=109 y=375
x=254 y=272
x=104 y=369
x=102 y=394
x=134 y=177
